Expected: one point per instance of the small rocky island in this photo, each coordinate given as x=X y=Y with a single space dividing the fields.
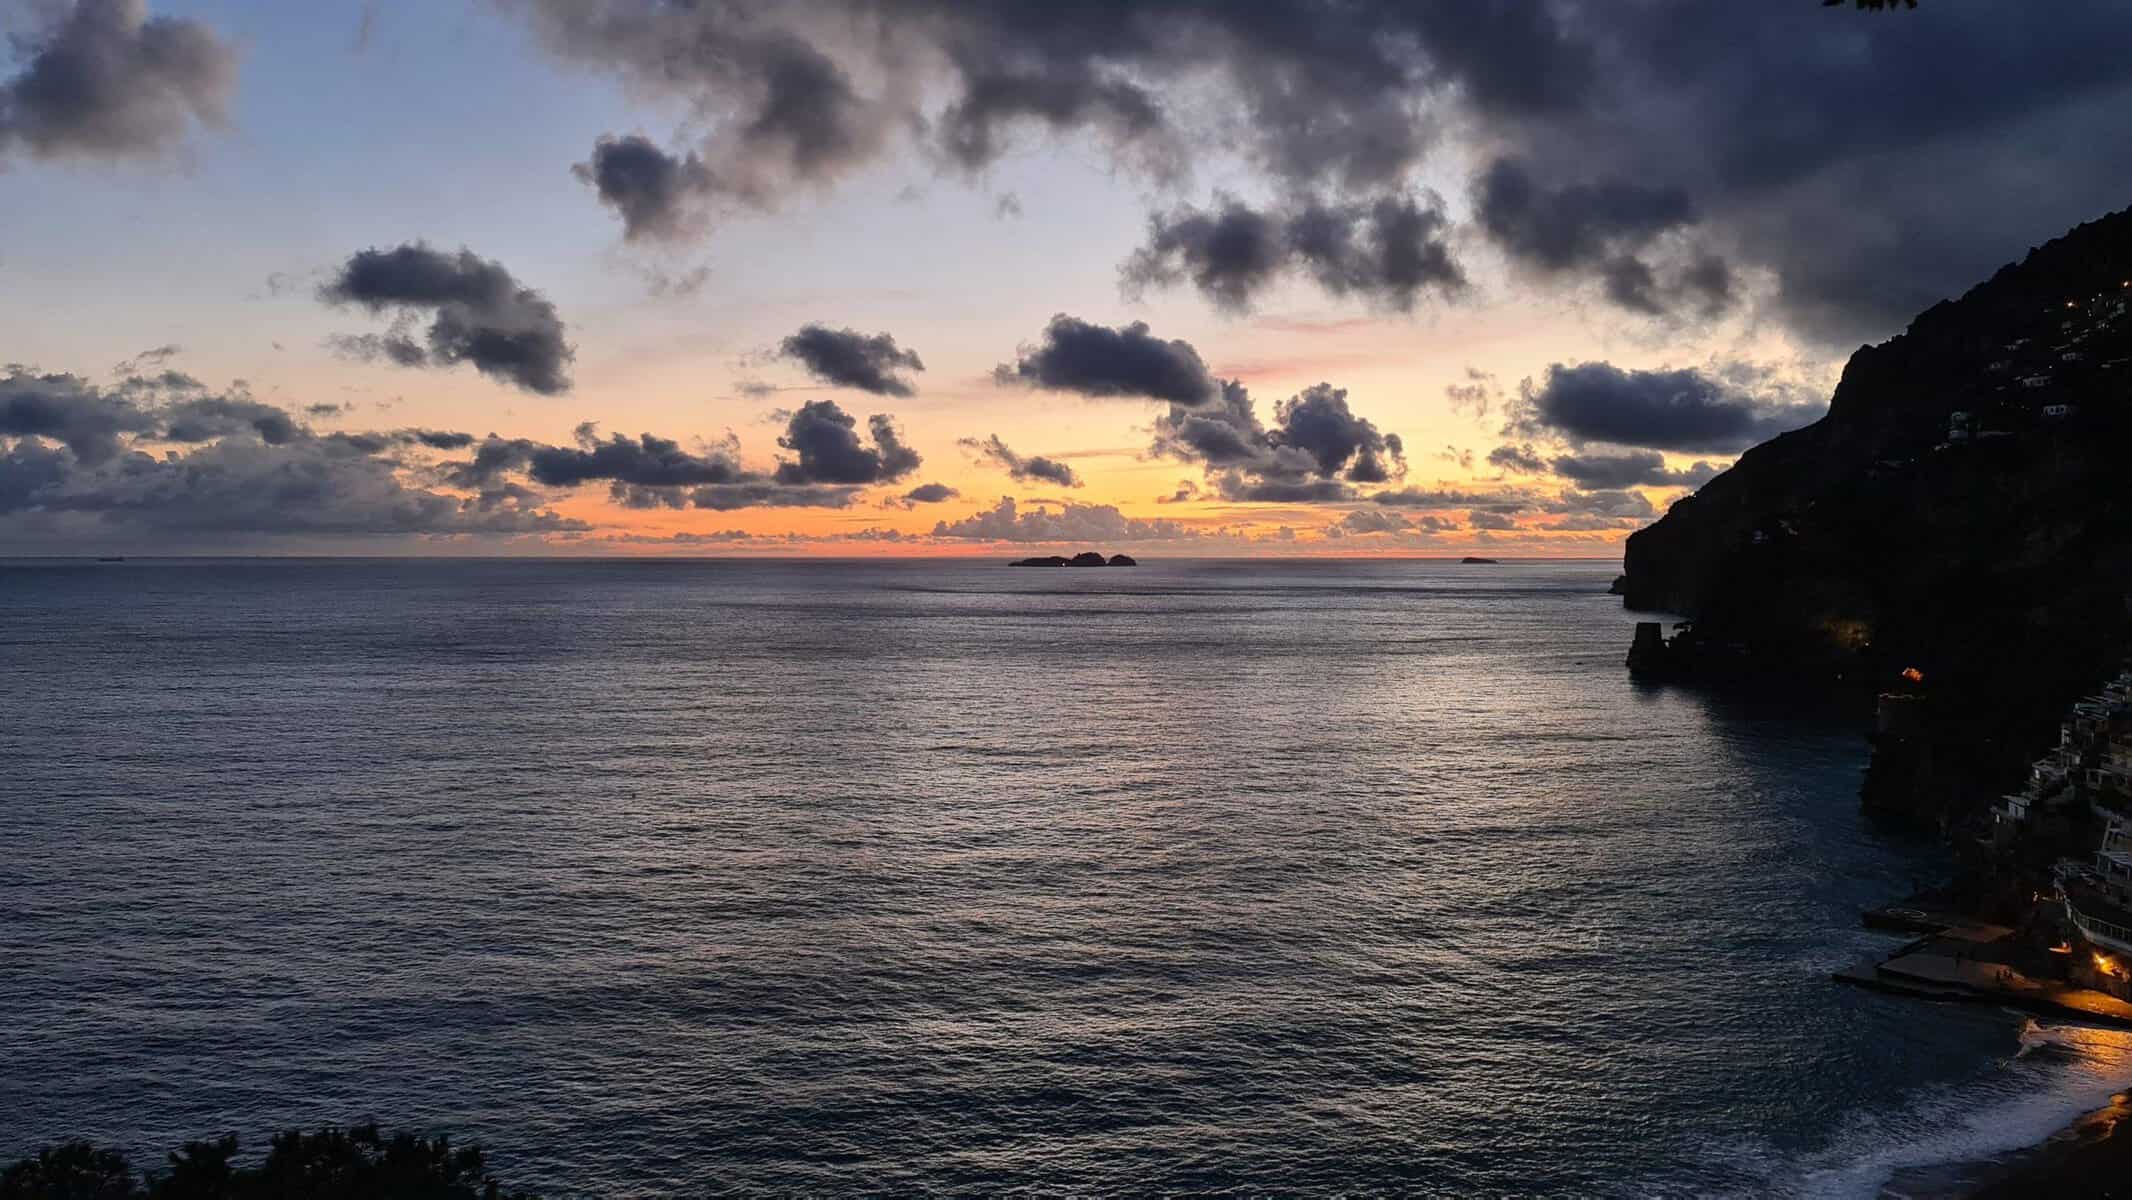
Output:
x=1087 y=558
x=1476 y=560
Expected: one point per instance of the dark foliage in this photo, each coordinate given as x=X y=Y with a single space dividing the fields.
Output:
x=333 y=1164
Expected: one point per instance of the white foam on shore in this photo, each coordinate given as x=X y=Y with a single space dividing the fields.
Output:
x=2061 y=1073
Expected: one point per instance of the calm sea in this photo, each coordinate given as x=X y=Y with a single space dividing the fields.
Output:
x=942 y=876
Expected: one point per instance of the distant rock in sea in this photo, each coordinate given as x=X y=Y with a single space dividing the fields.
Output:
x=1474 y=559
x=1087 y=558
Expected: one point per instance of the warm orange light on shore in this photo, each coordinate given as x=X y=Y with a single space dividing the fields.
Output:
x=1913 y=675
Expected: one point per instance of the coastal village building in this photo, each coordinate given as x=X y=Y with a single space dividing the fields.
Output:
x=2092 y=767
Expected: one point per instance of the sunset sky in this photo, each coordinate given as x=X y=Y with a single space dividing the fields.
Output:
x=635 y=276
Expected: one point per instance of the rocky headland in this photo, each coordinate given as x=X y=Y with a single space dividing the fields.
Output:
x=1953 y=543
x=1957 y=529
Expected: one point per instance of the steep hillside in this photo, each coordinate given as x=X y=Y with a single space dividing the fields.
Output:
x=1964 y=510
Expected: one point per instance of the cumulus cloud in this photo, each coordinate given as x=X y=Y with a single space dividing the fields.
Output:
x=1315 y=450
x=1374 y=520
x=659 y=196
x=109 y=81
x=1681 y=409
x=1059 y=524
x=1636 y=468
x=643 y=461
x=848 y=358
x=1605 y=502
x=68 y=410
x=1394 y=527
x=930 y=493
x=1503 y=501
x=648 y=471
x=1387 y=251
x=478 y=313
x=1095 y=360
x=80 y=461
x=832 y=464
x=827 y=441
x=1047 y=470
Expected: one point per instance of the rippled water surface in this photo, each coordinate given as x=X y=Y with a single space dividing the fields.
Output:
x=1313 y=877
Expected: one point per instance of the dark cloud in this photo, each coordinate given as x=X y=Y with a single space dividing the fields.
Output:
x=438 y=439
x=1313 y=451
x=785 y=113
x=1608 y=502
x=973 y=129
x=1219 y=435
x=206 y=418
x=659 y=196
x=649 y=471
x=1576 y=225
x=930 y=493
x=245 y=468
x=848 y=358
x=1048 y=470
x=1508 y=501
x=643 y=461
x=1062 y=524
x=1602 y=229
x=1318 y=422
x=1386 y=251
x=109 y=81
x=243 y=486
x=1675 y=157
x=827 y=441
x=1256 y=489
x=1364 y=522
x=479 y=314
x=1095 y=360
x=68 y=410
x=726 y=497
x=1637 y=468
x=1685 y=409
x=1523 y=460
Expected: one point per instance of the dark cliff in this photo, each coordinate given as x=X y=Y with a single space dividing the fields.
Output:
x=1964 y=510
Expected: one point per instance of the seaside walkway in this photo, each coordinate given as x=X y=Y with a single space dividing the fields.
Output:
x=1950 y=967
